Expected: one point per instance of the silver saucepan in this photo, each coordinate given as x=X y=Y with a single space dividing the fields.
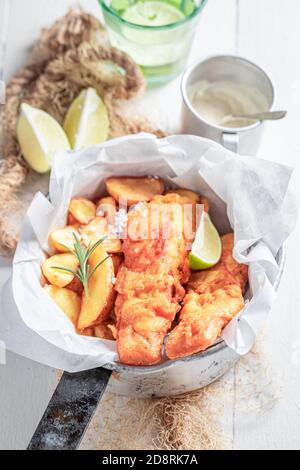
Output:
x=77 y=395
x=181 y=375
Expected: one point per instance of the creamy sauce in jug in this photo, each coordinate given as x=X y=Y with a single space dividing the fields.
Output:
x=218 y=102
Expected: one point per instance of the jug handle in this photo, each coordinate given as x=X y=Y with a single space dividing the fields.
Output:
x=230 y=141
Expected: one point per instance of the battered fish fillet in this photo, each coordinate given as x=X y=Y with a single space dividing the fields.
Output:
x=202 y=320
x=215 y=296
x=149 y=284
x=191 y=212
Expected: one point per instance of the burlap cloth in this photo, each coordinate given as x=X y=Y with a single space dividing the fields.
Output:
x=72 y=55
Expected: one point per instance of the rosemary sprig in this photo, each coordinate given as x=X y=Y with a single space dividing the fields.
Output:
x=84 y=273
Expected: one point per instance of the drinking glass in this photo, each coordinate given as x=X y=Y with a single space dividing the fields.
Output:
x=161 y=51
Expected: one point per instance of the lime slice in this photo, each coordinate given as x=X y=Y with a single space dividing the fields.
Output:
x=207 y=248
x=87 y=121
x=152 y=14
x=39 y=136
x=119 y=5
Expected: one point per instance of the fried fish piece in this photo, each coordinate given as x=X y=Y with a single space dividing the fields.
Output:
x=202 y=319
x=214 y=297
x=191 y=210
x=191 y=195
x=149 y=284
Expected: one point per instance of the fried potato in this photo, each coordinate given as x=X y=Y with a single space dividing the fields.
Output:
x=134 y=190
x=107 y=207
x=71 y=220
x=82 y=210
x=117 y=261
x=191 y=195
x=104 y=332
x=87 y=332
x=76 y=286
x=98 y=229
x=62 y=240
x=107 y=201
x=68 y=301
x=97 y=306
x=43 y=281
x=57 y=277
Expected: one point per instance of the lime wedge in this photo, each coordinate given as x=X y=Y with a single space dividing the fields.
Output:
x=152 y=14
x=39 y=136
x=87 y=121
x=207 y=248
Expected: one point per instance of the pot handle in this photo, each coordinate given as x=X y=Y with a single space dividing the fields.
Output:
x=230 y=141
x=70 y=410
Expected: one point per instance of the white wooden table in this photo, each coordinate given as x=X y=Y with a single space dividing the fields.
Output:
x=267 y=32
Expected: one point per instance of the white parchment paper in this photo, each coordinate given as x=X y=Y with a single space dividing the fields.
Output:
x=247 y=194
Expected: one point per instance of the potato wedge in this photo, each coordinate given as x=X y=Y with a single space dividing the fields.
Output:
x=103 y=332
x=62 y=240
x=107 y=207
x=67 y=300
x=134 y=190
x=117 y=261
x=194 y=197
x=107 y=201
x=97 y=306
x=87 y=332
x=72 y=220
x=43 y=281
x=98 y=229
x=76 y=286
x=55 y=276
x=82 y=210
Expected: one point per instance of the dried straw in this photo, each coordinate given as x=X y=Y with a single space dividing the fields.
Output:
x=200 y=420
x=70 y=56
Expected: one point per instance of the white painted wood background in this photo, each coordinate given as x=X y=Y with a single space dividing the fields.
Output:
x=267 y=32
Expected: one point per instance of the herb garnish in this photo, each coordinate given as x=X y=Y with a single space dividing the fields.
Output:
x=83 y=254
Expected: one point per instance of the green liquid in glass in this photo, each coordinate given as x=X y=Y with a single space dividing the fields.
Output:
x=157 y=34
x=153 y=12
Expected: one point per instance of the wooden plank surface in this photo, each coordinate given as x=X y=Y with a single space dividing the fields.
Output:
x=269 y=35
x=267 y=32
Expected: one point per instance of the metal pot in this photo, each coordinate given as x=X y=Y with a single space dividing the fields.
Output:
x=182 y=375
x=77 y=395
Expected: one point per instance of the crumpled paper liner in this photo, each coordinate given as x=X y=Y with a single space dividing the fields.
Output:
x=72 y=55
x=247 y=195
